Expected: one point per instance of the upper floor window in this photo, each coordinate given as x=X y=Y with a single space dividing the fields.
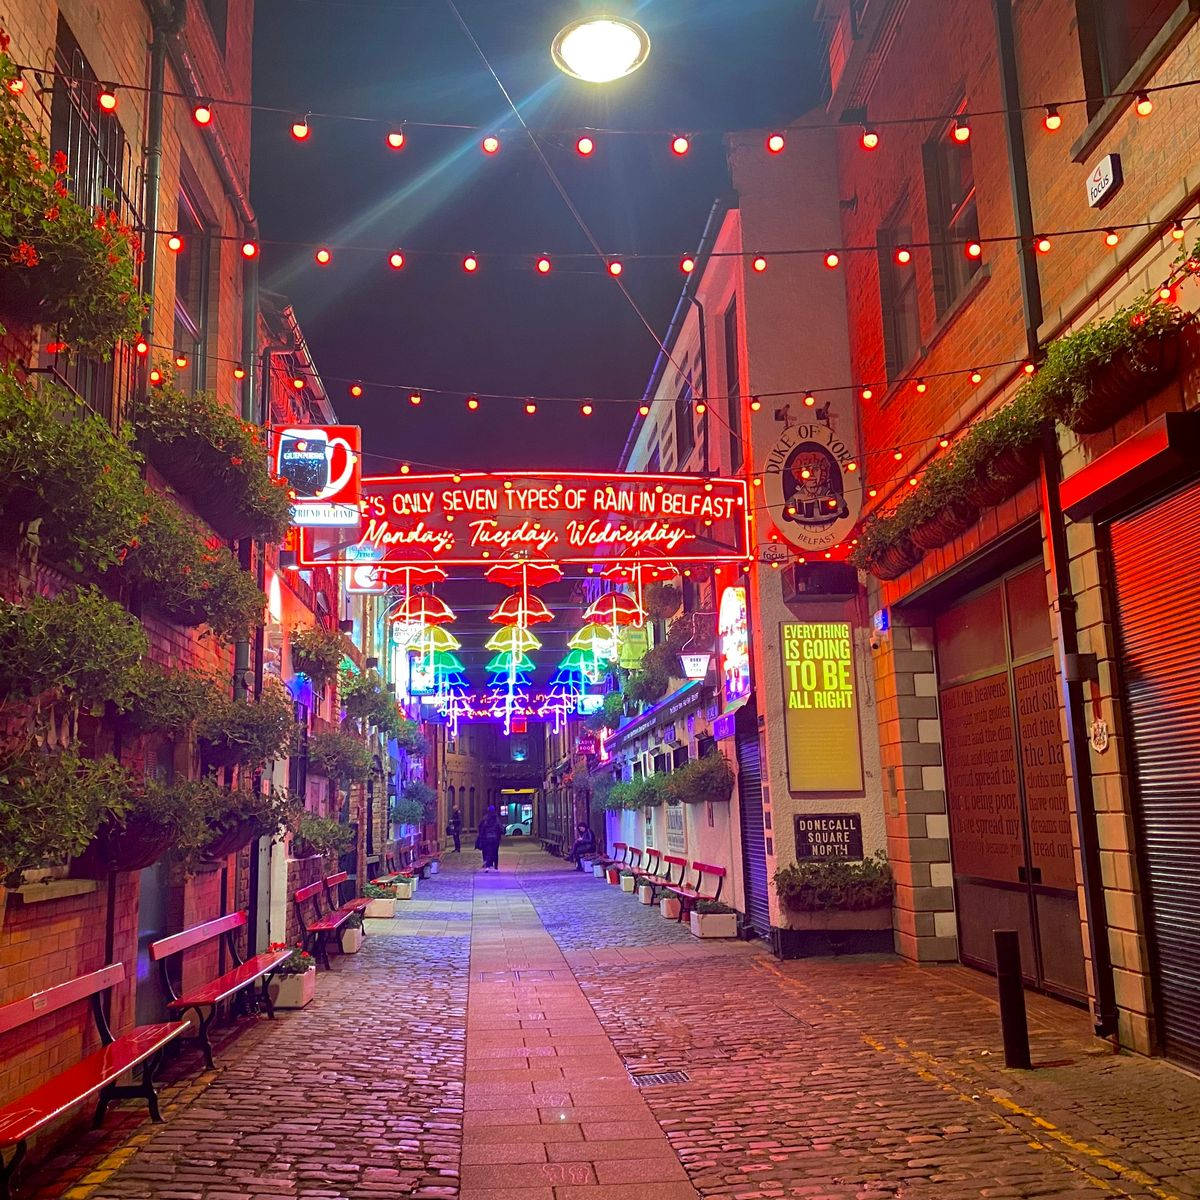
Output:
x=733 y=386
x=1113 y=35
x=218 y=18
x=953 y=216
x=192 y=270
x=898 y=299
x=685 y=431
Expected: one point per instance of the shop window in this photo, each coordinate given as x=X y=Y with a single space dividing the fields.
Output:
x=192 y=279
x=733 y=387
x=685 y=431
x=953 y=216
x=898 y=299
x=1113 y=36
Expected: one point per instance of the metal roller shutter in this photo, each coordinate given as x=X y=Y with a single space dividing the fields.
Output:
x=1155 y=552
x=750 y=807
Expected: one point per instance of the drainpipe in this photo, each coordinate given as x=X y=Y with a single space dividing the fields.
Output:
x=165 y=25
x=1063 y=608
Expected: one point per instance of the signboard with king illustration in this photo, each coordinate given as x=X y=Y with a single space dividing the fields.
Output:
x=323 y=467
x=474 y=519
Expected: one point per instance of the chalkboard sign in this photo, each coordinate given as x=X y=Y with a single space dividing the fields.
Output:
x=829 y=835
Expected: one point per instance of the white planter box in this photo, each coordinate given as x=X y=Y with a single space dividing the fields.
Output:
x=352 y=940
x=714 y=925
x=598 y=870
x=406 y=889
x=382 y=908
x=293 y=991
x=668 y=907
x=646 y=893
x=628 y=883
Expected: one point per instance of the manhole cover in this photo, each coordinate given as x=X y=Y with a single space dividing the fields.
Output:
x=659 y=1078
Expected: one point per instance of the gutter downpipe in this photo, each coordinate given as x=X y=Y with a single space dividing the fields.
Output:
x=1104 y=1010
x=165 y=24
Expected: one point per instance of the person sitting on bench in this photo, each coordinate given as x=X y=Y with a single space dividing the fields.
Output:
x=585 y=843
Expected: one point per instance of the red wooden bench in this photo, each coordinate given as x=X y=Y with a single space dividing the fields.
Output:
x=652 y=869
x=617 y=859
x=318 y=926
x=663 y=881
x=333 y=888
x=689 y=897
x=392 y=872
x=95 y=1073
x=635 y=859
x=237 y=981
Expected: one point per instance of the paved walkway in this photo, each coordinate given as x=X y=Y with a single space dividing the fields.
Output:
x=489 y=1043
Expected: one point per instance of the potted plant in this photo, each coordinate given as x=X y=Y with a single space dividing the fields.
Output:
x=407 y=811
x=628 y=881
x=645 y=893
x=885 y=547
x=1001 y=452
x=235 y=819
x=662 y=600
x=317 y=653
x=315 y=836
x=835 y=906
x=339 y=755
x=668 y=907
x=166 y=700
x=613 y=875
x=62 y=264
x=943 y=506
x=247 y=732
x=712 y=919
x=708 y=778
x=295 y=981
x=351 y=937
x=382 y=900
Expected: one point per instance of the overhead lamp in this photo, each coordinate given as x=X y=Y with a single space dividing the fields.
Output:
x=600 y=49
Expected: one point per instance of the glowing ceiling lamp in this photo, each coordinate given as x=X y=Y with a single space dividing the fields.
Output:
x=600 y=49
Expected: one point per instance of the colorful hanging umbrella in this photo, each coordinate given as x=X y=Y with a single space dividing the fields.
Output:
x=583 y=661
x=521 y=610
x=422 y=609
x=596 y=639
x=508 y=660
x=413 y=573
x=524 y=572
x=515 y=638
x=615 y=608
x=432 y=638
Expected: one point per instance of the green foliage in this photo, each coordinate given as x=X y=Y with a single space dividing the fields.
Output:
x=321 y=835
x=409 y=737
x=365 y=698
x=65 y=265
x=662 y=600
x=52 y=805
x=376 y=891
x=179 y=811
x=218 y=460
x=299 y=962
x=832 y=883
x=609 y=715
x=339 y=755
x=648 y=684
x=190 y=576
x=416 y=791
x=317 y=653
x=708 y=778
x=269 y=814
x=78 y=642
x=62 y=465
x=622 y=795
x=708 y=907
x=406 y=811
x=166 y=701
x=248 y=732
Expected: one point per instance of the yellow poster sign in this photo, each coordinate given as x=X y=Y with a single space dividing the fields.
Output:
x=821 y=707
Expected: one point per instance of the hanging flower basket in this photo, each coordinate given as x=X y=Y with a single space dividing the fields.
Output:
x=894 y=560
x=954 y=518
x=237 y=835
x=1129 y=379
x=132 y=846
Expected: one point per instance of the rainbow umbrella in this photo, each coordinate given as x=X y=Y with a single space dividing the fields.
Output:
x=514 y=638
x=423 y=609
x=596 y=639
x=615 y=608
x=509 y=661
x=433 y=638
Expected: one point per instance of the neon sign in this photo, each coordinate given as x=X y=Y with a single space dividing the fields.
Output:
x=323 y=467
x=733 y=630
x=474 y=519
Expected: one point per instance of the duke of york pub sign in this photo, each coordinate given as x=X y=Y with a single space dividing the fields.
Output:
x=813 y=495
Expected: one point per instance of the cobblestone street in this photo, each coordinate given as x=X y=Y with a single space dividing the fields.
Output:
x=484 y=1045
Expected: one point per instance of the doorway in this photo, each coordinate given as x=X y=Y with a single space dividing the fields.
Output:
x=1006 y=786
x=750 y=816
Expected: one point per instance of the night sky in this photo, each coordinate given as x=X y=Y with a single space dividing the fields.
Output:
x=714 y=65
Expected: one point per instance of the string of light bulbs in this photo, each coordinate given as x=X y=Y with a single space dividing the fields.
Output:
x=614 y=262
x=585 y=139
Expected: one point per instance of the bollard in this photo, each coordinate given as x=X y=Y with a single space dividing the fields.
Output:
x=1013 y=1025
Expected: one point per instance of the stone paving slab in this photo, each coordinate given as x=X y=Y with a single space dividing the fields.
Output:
x=482 y=1046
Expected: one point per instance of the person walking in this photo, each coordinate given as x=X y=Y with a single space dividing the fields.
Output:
x=454 y=828
x=585 y=843
x=490 y=833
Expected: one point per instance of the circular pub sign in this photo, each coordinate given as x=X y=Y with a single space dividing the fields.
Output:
x=813 y=499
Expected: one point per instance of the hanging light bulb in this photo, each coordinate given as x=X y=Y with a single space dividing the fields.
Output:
x=106 y=98
x=141 y=347
x=239 y=372
x=976 y=376
x=472 y=402
x=974 y=250
x=866 y=393
x=175 y=243
x=530 y=408
x=869 y=139
x=897 y=454
x=300 y=129
x=405 y=468
x=396 y=260
x=922 y=387
x=644 y=409
x=1177 y=230
x=687 y=264
x=961 y=131
x=944 y=442
x=396 y=139
x=16 y=85
x=680 y=145
x=356 y=390
x=615 y=268
x=759 y=264
x=775 y=143
x=701 y=408
x=1042 y=245
x=323 y=256
x=832 y=259
x=586 y=409
x=1052 y=121
x=584 y=146
x=414 y=398
x=1143 y=105
x=543 y=265
x=903 y=255
x=1111 y=237
x=490 y=144
x=470 y=264
x=156 y=376
x=249 y=249
x=202 y=112
x=755 y=404
x=181 y=360
x=809 y=400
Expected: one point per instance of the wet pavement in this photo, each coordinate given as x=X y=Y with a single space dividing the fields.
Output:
x=505 y=1038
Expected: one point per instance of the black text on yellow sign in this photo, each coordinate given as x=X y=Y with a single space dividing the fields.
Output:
x=820 y=707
